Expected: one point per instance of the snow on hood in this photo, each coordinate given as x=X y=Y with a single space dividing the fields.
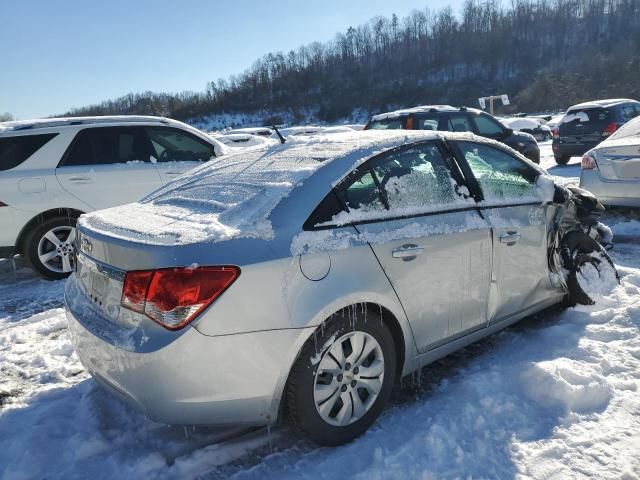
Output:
x=232 y=197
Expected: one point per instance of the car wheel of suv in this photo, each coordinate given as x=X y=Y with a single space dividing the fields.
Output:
x=49 y=248
x=342 y=379
x=563 y=159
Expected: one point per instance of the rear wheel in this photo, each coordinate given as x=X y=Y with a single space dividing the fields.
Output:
x=342 y=379
x=591 y=270
x=563 y=159
x=49 y=247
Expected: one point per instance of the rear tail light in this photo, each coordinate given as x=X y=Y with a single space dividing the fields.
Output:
x=588 y=162
x=609 y=129
x=174 y=297
x=556 y=133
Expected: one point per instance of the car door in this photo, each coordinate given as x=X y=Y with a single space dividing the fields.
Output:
x=108 y=166
x=431 y=242
x=176 y=151
x=512 y=204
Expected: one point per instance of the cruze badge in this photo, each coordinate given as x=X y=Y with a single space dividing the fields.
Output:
x=86 y=246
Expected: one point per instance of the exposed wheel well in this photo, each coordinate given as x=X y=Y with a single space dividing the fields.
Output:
x=41 y=217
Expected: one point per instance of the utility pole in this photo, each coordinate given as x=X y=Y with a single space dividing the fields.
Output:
x=482 y=101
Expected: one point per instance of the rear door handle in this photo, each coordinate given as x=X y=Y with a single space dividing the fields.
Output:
x=80 y=179
x=510 y=238
x=173 y=174
x=407 y=252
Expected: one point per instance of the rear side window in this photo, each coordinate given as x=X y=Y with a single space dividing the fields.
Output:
x=405 y=182
x=429 y=122
x=459 y=123
x=387 y=124
x=630 y=111
x=15 y=150
x=109 y=145
x=173 y=145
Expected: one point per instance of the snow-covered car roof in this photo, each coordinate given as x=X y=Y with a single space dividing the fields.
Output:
x=523 y=123
x=600 y=103
x=420 y=109
x=71 y=121
x=234 y=196
x=265 y=131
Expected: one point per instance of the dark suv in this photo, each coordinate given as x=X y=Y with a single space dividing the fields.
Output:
x=587 y=124
x=447 y=118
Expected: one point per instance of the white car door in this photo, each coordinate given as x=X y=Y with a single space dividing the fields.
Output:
x=177 y=151
x=512 y=204
x=108 y=166
x=432 y=243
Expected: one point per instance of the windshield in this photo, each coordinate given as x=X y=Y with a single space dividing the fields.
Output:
x=387 y=124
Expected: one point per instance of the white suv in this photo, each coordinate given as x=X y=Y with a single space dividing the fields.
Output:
x=53 y=170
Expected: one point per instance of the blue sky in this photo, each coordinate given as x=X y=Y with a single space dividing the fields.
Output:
x=70 y=53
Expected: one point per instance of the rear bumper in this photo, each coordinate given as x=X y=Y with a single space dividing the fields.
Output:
x=611 y=192
x=573 y=149
x=193 y=380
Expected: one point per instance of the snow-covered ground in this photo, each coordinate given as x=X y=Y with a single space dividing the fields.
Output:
x=556 y=396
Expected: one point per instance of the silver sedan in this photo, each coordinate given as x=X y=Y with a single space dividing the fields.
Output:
x=300 y=281
x=611 y=170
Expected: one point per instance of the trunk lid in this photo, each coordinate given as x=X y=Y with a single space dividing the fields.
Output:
x=619 y=160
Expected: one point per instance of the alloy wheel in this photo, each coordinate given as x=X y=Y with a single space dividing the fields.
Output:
x=349 y=378
x=55 y=249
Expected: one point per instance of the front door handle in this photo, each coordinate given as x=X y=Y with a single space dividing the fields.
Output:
x=510 y=238
x=407 y=252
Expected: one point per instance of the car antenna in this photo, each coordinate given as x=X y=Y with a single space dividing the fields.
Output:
x=273 y=125
x=282 y=139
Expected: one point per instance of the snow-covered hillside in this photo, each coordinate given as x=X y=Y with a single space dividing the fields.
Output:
x=556 y=396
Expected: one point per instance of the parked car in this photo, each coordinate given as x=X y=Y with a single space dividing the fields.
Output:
x=612 y=169
x=447 y=118
x=585 y=125
x=299 y=282
x=532 y=126
x=53 y=170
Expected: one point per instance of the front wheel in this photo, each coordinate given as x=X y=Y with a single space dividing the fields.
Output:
x=49 y=248
x=342 y=379
x=591 y=270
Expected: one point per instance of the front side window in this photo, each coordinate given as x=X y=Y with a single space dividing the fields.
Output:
x=459 y=123
x=173 y=145
x=487 y=126
x=108 y=145
x=499 y=175
x=15 y=150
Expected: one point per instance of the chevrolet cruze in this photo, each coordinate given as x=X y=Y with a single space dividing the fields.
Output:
x=298 y=282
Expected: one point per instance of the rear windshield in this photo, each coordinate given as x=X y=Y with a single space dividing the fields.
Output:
x=387 y=124
x=15 y=150
x=587 y=115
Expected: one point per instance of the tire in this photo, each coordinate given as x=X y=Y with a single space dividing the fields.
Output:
x=53 y=261
x=584 y=257
x=563 y=159
x=321 y=381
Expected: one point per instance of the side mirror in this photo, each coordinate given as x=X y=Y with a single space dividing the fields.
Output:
x=508 y=132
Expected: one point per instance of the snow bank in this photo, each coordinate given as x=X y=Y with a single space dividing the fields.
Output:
x=567 y=383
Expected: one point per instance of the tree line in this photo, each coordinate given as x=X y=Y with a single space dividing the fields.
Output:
x=547 y=54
